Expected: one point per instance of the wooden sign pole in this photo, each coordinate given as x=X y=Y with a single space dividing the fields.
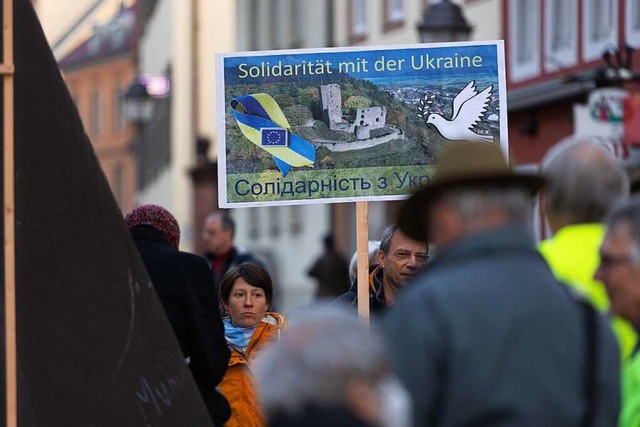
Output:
x=362 y=248
x=7 y=71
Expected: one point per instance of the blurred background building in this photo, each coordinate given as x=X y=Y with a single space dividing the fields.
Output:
x=560 y=55
x=98 y=72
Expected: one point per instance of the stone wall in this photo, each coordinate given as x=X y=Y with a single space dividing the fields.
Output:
x=396 y=135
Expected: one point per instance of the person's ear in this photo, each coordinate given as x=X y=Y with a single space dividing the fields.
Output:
x=381 y=258
x=542 y=201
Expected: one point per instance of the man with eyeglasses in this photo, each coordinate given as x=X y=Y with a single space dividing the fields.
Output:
x=619 y=270
x=400 y=258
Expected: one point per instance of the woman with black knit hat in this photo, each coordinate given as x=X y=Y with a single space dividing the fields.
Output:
x=183 y=283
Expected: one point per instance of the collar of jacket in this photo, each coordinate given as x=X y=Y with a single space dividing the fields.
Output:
x=268 y=329
x=510 y=238
x=232 y=254
x=146 y=232
x=375 y=285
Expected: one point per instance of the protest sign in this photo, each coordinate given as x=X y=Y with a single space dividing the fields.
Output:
x=351 y=124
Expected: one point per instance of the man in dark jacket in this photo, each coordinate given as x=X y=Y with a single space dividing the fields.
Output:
x=183 y=283
x=221 y=253
x=399 y=260
x=487 y=336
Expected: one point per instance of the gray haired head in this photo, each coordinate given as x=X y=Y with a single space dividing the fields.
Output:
x=387 y=235
x=226 y=222
x=583 y=180
x=627 y=212
x=472 y=203
x=323 y=348
x=374 y=246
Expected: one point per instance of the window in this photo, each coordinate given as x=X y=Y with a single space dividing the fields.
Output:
x=278 y=11
x=297 y=24
x=358 y=19
x=154 y=144
x=119 y=118
x=271 y=24
x=524 y=29
x=254 y=223
x=253 y=28
x=561 y=35
x=274 y=221
x=394 y=13
x=632 y=23
x=600 y=27
x=296 y=222
x=95 y=112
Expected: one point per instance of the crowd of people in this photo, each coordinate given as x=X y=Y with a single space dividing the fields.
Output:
x=473 y=324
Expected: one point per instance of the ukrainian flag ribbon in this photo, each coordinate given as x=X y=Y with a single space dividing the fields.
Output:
x=262 y=122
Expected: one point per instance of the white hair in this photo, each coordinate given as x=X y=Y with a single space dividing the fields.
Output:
x=472 y=203
x=324 y=347
x=583 y=180
x=374 y=246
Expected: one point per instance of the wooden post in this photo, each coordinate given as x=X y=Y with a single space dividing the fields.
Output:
x=362 y=248
x=7 y=71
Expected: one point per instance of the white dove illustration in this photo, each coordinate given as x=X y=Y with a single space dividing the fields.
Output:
x=468 y=108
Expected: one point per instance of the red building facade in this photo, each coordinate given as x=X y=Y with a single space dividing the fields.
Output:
x=557 y=53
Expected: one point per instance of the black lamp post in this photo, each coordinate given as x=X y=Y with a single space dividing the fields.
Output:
x=138 y=103
x=443 y=22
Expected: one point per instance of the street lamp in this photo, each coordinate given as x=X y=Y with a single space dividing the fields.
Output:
x=443 y=22
x=138 y=105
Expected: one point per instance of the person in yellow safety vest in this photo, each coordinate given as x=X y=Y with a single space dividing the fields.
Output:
x=583 y=180
x=619 y=270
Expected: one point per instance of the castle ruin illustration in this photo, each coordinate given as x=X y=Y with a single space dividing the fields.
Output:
x=366 y=119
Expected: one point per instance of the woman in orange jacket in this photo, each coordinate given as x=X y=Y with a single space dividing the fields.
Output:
x=245 y=293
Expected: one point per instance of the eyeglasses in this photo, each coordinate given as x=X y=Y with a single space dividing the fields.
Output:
x=404 y=255
x=610 y=261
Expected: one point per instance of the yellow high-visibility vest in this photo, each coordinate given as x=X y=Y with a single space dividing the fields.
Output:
x=573 y=255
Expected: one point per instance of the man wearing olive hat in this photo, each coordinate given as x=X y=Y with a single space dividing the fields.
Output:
x=487 y=336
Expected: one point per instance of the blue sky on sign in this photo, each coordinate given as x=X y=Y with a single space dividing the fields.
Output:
x=488 y=53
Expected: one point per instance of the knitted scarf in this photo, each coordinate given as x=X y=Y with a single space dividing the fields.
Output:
x=237 y=336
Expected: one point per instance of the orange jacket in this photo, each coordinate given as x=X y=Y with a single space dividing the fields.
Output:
x=237 y=384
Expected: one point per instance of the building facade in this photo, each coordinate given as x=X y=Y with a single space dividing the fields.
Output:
x=558 y=53
x=97 y=74
x=68 y=24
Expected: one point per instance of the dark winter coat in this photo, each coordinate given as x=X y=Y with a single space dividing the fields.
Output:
x=183 y=283
x=331 y=271
x=487 y=336
x=377 y=301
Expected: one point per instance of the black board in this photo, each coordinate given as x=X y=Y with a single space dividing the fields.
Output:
x=94 y=345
